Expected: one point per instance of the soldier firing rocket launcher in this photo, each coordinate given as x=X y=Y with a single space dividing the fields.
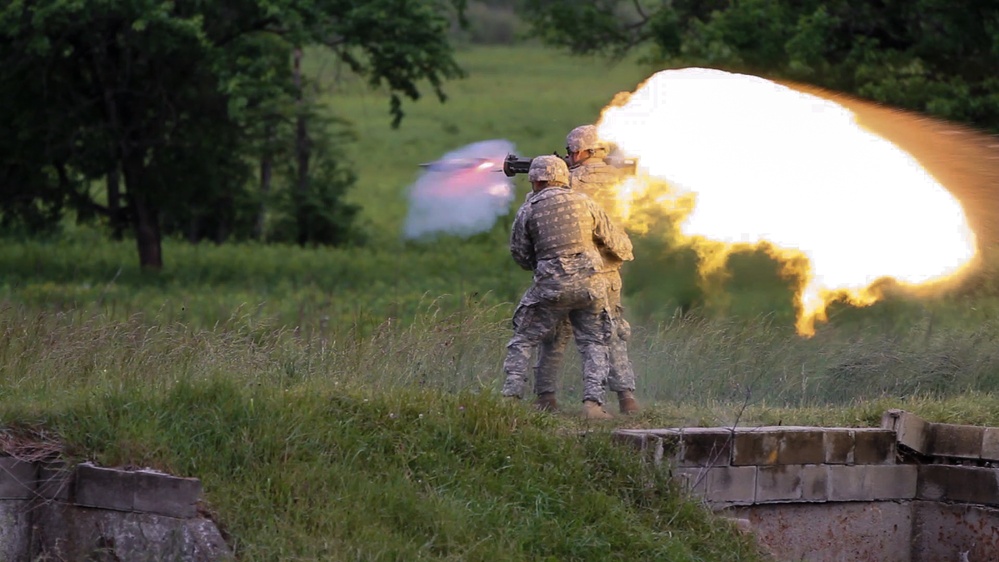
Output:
x=514 y=165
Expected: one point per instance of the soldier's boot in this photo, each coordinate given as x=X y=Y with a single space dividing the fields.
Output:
x=594 y=411
x=627 y=403
x=546 y=402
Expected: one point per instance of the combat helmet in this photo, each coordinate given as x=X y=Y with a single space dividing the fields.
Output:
x=584 y=137
x=549 y=168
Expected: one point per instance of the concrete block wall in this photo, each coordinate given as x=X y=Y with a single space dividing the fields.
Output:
x=946 y=440
x=743 y=466
x=48 y=509
x=923 y=481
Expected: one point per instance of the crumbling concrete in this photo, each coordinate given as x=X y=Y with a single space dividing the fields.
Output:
x=50 y=512
x=909 y=491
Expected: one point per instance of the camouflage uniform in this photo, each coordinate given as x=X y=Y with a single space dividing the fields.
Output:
x=597 y=179
x=563 y=237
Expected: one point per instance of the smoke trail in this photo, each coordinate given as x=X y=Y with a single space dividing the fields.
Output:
x=463 y=193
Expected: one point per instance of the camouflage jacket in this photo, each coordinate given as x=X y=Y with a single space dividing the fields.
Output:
x=585 y=240
x=598 y=179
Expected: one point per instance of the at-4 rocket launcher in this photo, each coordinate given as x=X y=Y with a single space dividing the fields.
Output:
x=514 y=165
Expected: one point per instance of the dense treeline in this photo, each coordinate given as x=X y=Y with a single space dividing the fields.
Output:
x=199 y=121
x=933 y=56
x=195 y=118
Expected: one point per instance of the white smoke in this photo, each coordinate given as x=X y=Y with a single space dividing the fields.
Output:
x=463 y=193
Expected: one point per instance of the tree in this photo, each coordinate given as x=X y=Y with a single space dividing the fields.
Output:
x=165 y=95
x=933 y=56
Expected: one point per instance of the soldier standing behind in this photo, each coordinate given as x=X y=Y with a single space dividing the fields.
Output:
x=592 y=175
x=566 y=240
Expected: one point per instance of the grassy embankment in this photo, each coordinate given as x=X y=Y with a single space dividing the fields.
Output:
x=324 y=430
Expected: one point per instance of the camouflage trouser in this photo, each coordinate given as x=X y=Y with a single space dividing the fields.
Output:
x=584 y=307
x=551 y=349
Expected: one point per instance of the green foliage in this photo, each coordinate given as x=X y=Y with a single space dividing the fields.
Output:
x=931 y=56
x=329 y=449
x=340 y=403
x=182 y=99
x=490 y=23
x=528 y=95
x=306 y=287
x=319 y=215
x=402 y=435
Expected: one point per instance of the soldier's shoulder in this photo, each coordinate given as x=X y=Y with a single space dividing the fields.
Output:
x=594 y=172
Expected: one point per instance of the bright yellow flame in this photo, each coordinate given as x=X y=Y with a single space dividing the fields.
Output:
x=758 y=164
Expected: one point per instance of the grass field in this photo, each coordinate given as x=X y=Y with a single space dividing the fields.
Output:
x=342 y=403
x=530 y=96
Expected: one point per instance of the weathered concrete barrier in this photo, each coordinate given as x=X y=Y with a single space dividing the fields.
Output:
x=52 y=512
x=909 y=491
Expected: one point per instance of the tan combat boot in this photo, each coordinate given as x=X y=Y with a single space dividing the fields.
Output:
x=546 y=402
x=594 y=411
x=627 y=403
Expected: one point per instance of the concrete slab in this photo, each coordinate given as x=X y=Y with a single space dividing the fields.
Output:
x=823 y=532
x=943 y=531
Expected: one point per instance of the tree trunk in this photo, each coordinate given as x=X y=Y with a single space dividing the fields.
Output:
x=222 y=226
x=115 y=212
x=193 y=234
x=266 y=175
x=303 y=153
x=144 y=216
x=147 y=233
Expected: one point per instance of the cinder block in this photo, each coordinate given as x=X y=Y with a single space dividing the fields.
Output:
x=872 y=482
x=894 y=481
x=873 y=446
x=755 y=447
x=164 y=494
x=105 y=488
x=701 y=446
x=18 y=479
x=55 y=481
x=693 y=481
x=778 y=483
x=666 y=435
x=969 y=484
x=990 y=444
x=649 y=446
x=911 y=431
x=784 y=483
x=952 y=440
x=801 y=447
x=665 y=446
x=838 y=444
x=815 y=483
x=734 y=485
x=634 y=437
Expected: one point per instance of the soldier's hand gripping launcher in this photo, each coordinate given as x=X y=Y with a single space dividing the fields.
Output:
x=514 y=165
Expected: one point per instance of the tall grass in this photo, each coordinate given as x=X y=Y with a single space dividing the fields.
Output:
x=337 y=447
x=395 y=444
x=311 y=289
x=339 y=440
x=341 y=403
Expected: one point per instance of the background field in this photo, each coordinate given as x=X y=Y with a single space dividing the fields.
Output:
x=341 y=404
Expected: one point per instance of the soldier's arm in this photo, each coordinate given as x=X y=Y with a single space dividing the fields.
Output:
x=611 y=238
x=521 y=245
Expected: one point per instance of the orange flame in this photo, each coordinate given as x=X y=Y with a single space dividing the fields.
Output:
x=751 y=163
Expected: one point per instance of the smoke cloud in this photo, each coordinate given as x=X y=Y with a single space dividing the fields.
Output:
x=463 y=193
